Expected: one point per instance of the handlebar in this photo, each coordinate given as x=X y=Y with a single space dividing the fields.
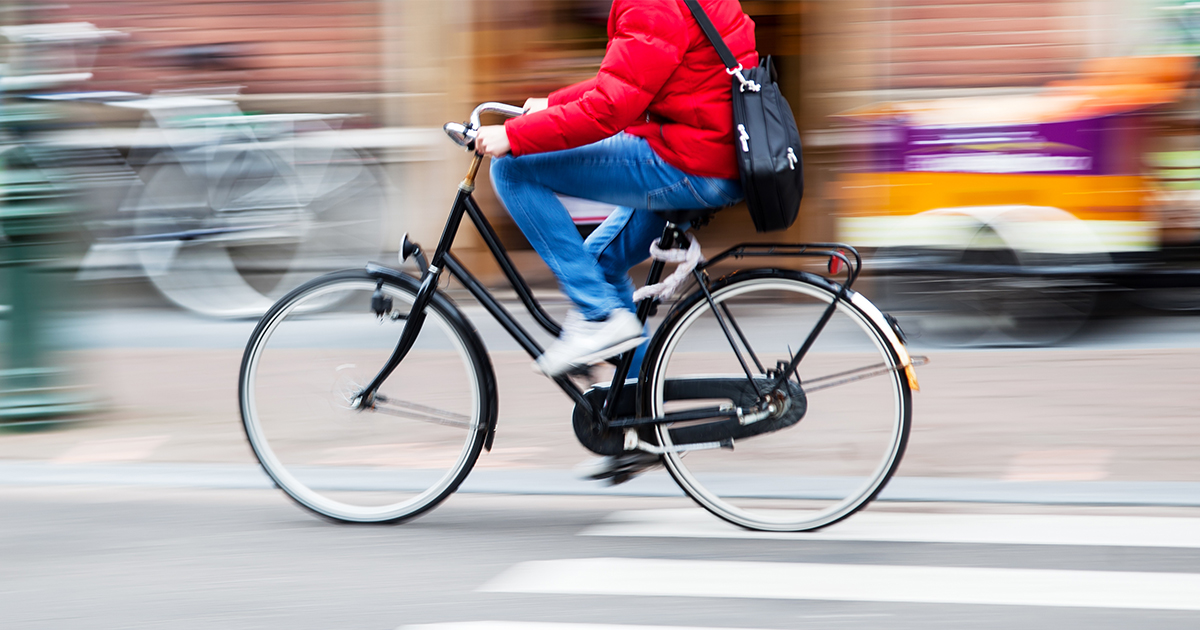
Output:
x=512 y=111
x=464 y=135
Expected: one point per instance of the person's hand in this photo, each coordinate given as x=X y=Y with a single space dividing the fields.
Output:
x=492 y=140
x=536 y=105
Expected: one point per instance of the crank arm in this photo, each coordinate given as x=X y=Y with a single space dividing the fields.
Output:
x=634 y=443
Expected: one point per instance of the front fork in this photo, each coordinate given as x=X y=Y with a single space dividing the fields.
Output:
x=429 y=282
x=412 y=327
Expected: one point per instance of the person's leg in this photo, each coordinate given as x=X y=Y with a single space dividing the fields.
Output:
x=622 y=170
x=544 y=221
x=621 y=242
x=605 y=325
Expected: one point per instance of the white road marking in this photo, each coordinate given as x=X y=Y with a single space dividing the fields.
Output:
x=839 y=582
x=527 y=625
x=1004 y=529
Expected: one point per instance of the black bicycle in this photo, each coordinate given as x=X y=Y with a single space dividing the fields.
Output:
x=779 y=400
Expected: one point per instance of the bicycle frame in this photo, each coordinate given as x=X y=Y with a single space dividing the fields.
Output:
x=686 y=397
x=443 y=260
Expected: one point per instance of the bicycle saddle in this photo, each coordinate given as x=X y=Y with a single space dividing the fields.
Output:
x=679 y=217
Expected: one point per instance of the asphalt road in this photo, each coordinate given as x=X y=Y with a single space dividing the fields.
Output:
x=106 y=557
x=95 y=532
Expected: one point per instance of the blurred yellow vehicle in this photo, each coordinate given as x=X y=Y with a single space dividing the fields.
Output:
x=999 y=218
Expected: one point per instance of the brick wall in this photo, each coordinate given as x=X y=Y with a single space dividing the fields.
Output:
x=296 y=46
x=269 y=46
x=973 y=43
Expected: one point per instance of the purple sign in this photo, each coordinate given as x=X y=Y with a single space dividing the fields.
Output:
x=1091 y=146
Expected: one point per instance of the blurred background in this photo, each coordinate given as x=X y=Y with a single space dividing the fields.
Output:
x=1033 y=137
x=1015 y=172
x=1022 y=177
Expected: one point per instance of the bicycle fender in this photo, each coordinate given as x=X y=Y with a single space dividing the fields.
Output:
x=889 y=332
x=475 y=344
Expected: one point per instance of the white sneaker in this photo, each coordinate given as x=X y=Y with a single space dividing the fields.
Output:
x=583 y=343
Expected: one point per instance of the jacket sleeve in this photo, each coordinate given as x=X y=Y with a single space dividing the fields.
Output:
x=571 y=92
x=647 y=45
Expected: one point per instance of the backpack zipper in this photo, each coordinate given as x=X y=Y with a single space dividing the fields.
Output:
x=792 y=159
x=745 y=138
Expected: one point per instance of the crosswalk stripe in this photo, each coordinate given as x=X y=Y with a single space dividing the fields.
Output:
x=1010 y=529
x=526 y=625
x=879 y=583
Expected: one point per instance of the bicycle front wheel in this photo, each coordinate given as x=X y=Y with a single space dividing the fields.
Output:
x=304 y=368
x=841 y=423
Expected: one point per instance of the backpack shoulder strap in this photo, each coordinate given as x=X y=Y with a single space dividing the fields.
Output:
x=718 y=42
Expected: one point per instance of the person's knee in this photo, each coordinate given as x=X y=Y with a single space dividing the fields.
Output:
x=506 y=169
x=500 y=169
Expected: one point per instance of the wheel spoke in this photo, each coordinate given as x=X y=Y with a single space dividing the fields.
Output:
x=414 y=411
x=849 y=376
x=857 y=374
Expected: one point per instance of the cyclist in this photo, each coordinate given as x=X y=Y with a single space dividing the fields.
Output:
x=653 y=131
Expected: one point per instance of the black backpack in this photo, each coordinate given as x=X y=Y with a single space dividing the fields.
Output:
x=766 y=138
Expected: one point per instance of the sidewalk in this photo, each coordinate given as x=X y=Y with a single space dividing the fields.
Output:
x=1070 y=425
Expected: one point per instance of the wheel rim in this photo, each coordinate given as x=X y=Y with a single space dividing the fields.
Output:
x=361 y=466
x=830 y=463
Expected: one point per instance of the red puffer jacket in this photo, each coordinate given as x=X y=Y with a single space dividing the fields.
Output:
x=661 y=79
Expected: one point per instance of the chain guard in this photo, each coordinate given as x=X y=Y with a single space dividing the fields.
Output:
x=741 y=394
x=587 y=426
x=735 y=389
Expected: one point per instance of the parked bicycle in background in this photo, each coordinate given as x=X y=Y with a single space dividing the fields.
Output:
x=223 y=211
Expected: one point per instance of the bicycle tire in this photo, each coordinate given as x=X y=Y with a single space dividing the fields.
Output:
x=821 y=461
x=395 y=460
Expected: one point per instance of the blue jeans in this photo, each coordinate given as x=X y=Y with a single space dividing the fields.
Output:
x=622 y=170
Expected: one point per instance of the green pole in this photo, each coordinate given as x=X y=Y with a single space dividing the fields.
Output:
x=34 y=218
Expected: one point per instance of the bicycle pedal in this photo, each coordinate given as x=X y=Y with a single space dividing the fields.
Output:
x=619 y=478
x=628 y=471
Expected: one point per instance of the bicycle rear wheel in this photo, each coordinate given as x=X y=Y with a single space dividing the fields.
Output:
x=841 y=427
x=303 y=369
